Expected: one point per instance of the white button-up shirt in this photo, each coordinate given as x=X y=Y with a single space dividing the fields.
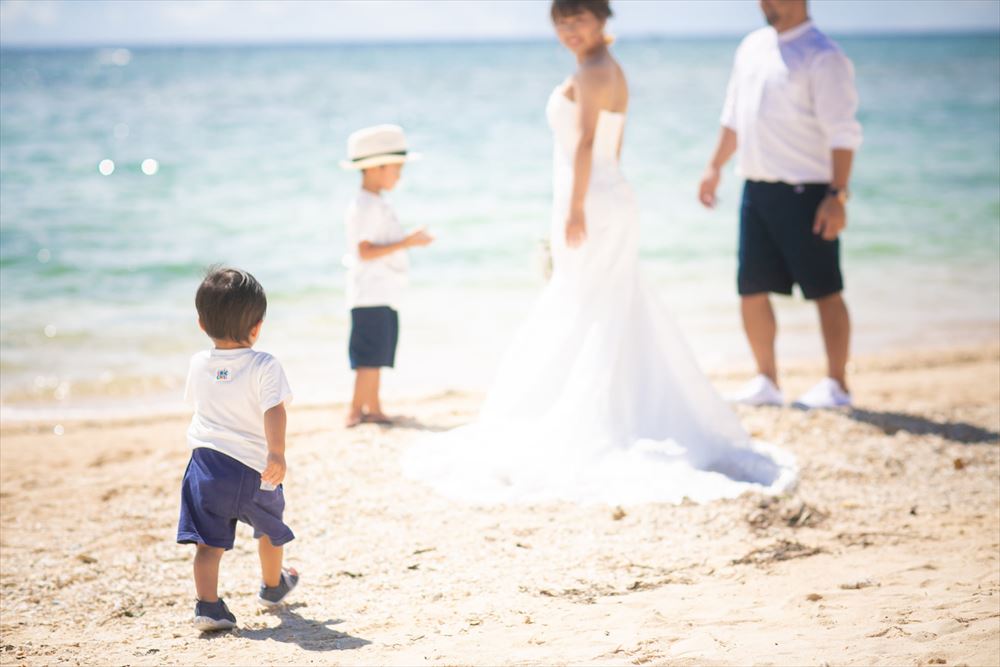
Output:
x=791 y=100
x=380 y=281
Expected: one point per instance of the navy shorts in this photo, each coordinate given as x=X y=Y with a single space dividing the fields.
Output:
x=374 y=334
x=777 y=244
x=218 y=491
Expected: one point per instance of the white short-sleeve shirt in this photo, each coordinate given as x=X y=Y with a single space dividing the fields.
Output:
x=791 y=100
x=381 y=281
x=230 y=391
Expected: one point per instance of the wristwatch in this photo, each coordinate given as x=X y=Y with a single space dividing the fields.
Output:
x=841 y=194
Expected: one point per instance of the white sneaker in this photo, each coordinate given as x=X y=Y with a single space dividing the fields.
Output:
x=826 y=394
x=758 y=391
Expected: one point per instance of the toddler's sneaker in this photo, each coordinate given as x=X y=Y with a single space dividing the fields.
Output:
x=210 y=616
x=758 y=391
x=826 y=394
x=273 y=596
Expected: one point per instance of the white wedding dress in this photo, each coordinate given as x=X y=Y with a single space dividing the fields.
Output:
x=598 y=399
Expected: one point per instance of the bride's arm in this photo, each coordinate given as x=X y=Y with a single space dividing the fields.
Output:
x=589 y=87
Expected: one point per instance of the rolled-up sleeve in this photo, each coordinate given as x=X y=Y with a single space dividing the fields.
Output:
x=836 y=99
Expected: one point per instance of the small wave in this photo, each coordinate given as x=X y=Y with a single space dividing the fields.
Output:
x=53 y=392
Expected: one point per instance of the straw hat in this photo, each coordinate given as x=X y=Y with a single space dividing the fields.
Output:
x=375 y=146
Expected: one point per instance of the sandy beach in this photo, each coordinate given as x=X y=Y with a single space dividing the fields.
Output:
x=886 y=553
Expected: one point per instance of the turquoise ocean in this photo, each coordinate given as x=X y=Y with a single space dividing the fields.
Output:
x=98 y=267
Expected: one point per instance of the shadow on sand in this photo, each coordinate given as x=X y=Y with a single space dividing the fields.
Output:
x=310 y=635
x=413 y=424
x=893 y=422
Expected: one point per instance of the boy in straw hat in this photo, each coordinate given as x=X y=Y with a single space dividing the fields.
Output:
x=377 y=264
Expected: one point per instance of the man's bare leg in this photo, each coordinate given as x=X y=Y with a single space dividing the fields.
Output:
x=761 y=329
x=836 y=324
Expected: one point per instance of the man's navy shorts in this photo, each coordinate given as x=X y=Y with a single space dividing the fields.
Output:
x=777 y=244
x=374 y=334
x=218 y=491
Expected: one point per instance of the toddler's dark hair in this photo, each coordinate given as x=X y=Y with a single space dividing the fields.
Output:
x=599 y=8
x=230 y=303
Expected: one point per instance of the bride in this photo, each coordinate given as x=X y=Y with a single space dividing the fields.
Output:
x=598 y=398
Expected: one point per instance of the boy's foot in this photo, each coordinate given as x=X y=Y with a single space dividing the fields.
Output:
x=353 y=419
x=273 y=596
x=826 y=394
x=377 y=418
x=758 y=391
x=211 y=616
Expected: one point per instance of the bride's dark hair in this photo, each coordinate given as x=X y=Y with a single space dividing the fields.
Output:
x=599 y=8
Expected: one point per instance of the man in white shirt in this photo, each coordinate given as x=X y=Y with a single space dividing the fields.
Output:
x=790 y=110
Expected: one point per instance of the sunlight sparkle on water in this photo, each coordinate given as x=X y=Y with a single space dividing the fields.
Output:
x=106 y=167
x=121 y=57
x=150 y=166
x=62 y=391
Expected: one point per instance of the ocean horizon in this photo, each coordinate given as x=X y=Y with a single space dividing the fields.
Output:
x=306 y=43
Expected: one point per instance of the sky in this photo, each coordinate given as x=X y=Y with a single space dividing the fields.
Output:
x=150 y=22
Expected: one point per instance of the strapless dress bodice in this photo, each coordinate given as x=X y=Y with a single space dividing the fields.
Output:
x=562 y=116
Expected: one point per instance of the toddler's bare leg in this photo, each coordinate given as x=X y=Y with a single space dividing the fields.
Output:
x=206 y=572
x=270 y=561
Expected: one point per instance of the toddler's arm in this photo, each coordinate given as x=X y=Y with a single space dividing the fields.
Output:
x=418 y=237
x=275 y=421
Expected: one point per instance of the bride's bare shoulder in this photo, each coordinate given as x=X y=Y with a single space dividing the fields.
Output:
x=603 y=79
x=621 y=93
x=594 y=78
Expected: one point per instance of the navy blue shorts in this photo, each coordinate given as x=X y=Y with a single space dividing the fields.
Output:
x=777 y=244
x=374 y=334
x=218 y=491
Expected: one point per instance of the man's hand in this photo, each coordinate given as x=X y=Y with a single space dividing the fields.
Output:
x=709 y=184
x=831 y=218
x=576 y=228
x=274 y=472
x=418 y=237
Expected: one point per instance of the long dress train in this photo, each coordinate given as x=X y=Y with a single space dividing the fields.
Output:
x=598 y=398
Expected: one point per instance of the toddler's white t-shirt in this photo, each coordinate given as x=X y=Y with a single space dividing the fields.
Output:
x=230 y=391
x=374 y=282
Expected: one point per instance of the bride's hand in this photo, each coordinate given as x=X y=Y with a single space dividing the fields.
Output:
x=576 y=229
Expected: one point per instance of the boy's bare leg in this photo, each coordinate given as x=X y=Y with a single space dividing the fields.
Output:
x=366 y=406
x=373 y=403
x=836 y=324
x=206 y=572
x=761 y=329
x=270 y=561
x=362 y=392
x=374 y=412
